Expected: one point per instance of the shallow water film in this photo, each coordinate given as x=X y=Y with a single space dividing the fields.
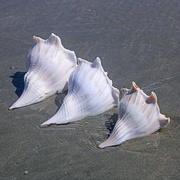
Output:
x=137 y=40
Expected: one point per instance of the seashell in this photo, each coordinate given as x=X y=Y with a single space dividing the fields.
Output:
x=49 y=66
x=138 y=115
x=90 y=93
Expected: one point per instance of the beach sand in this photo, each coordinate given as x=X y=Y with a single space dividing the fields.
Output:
x=136 y=41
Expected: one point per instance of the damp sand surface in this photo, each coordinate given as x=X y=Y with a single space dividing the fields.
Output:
x=137 y=41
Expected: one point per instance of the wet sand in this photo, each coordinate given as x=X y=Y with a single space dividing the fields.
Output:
x=136 y=41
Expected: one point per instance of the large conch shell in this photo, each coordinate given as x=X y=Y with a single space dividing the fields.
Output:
x=139 y=115
x=90 y=93
x=49 y=66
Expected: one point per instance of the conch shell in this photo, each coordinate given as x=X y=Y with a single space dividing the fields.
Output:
x=49 y=66
x=138 y=115
x=90 y=93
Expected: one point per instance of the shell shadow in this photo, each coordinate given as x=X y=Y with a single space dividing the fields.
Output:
x=18 y=82
x=59 y=98
x=110 y=122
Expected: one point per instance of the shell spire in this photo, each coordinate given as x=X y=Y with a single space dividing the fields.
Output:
x=37 y=40
x=53 y=39
x=138 y=115
x=152 y=98
x=97 y=63
x=49 y=66
x=90 y=93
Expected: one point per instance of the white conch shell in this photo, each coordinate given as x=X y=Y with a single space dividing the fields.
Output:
x=49 y=66
x=139 y=115
x=90 y=93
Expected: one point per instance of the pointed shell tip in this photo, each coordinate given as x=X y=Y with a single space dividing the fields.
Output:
x=10 y=108
x=134 y=86
x=124 y=90
x=79 y=60
x=44 y=125
x=96 y=63
x=101 y=146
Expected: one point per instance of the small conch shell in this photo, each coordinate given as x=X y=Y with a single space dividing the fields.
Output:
x=138 y=115
x=49 y=66
x=90 y=93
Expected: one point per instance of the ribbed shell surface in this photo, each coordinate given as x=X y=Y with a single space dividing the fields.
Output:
x=90 y=93
x=49 y=66
x=138 y=116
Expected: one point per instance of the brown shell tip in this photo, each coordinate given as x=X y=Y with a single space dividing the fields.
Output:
x=152 y=98
x=167 y=120
x=124 y=90
x=164 y=121
x=134 y=87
